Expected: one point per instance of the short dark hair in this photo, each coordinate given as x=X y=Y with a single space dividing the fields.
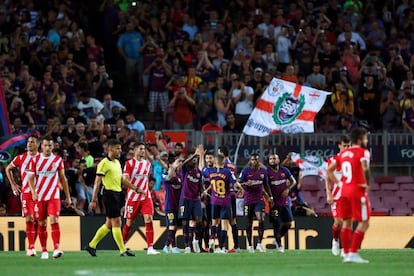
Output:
x=48 y=138
x=224 y=150
x=344 y=139
x=357 y=133
x=113 y=142
x=83 y=146
x=137 y=144
x=179 y=145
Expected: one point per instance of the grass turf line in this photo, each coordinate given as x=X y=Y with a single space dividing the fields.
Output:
x=293 y=262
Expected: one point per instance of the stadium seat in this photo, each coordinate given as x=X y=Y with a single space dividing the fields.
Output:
x=389 y=187
x=392 y=202
x=374 y=186
x=377 y=206
x=403 y=179
x=401 y=211
x=406 y=187
x=384 y=179
x=405 y=196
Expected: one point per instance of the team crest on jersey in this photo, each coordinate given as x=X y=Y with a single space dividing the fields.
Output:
x=261 y=176
x=198 y=175
x=287 y=109
x=282 y=174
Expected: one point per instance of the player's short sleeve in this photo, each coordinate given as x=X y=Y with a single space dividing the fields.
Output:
x=287 y=172
x=17 y=161
x=61 y=166
x=366 y=156
x=127 y=168
x=243 y=173
x=231 y=176
x=101 y=169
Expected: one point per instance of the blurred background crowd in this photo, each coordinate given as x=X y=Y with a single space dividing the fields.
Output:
x=86 y=71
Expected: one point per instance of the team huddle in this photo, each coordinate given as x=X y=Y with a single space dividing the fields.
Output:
x=201 y=193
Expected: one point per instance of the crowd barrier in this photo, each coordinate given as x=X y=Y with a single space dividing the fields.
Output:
x=306 y=233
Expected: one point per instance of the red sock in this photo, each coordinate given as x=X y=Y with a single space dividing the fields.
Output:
x=30 y=233
x=335 y=232
x=346 y=237
x=55 y=235
x=126 y=233
x=357 y=241
x=149 y=233
x=35 y=230
x=42 y=232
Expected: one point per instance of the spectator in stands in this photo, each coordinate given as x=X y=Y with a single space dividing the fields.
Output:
x=283 y=46
x=390 y=112
x=257 y=83
x=134 y=124
x=369 y=103
x=204 y=105
x=159 y=73
x=408 y=117
x=102 y=83
x=129 y=45
x=109 y=104
x=348 y=36
x=90 y=107
x=183 y=103
x=83 y=152
x=316 y=79
x=242 y=96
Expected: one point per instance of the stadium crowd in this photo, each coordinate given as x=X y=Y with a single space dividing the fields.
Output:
x=203 y=64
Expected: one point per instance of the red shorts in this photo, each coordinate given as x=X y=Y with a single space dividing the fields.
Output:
x=43 y=209
x=27 y=204
x=356 y=207
x=143 y=207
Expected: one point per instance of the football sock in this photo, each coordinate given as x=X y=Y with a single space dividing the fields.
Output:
x=55 y=235
x=35 y=230
x=346 y=238
x=206 y=236
x=173 y=244
x=190 y=233
x=42 y=237
x=213 y=231
x=126 y=232
x=169 y=237
x=99 y=235
x=283 y=230
x=235 y=232
x=276 y=228
x=185 y=234
x=117 y=234
x=260 y=231
x=149 y=233
x=199 y=232
x=30 y=233
x=249 y=233
x=357 y=238
x=223 y=237
x=336 y=230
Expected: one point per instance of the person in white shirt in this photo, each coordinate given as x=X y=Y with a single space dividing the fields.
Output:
x=90 y=107
x=242 y=97
x=354 y=37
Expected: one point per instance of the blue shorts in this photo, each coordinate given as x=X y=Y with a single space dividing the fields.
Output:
x=221 y=212
x=190 y=209
x=171 y=217
x=250 y=210
x=280 y=214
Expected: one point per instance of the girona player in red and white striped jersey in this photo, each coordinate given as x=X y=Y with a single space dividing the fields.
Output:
x=45 y=172
x=22 y=161
x=333 y=192
x=137 y=171
x=354 y=204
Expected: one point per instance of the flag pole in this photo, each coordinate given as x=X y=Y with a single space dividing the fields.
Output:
x=236 y=154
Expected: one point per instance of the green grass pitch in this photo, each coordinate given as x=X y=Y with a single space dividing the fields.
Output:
x=292 y=262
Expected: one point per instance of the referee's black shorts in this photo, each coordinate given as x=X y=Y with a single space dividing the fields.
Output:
x=112 y=202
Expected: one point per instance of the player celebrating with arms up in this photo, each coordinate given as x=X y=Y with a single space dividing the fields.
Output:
x=190 y=203
x=22 y=161
x=353 y=205
x=333 y=192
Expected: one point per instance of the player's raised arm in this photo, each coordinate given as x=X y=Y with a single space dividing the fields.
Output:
x=201 y=153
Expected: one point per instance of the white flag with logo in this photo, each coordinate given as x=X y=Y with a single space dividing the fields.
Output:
x=285 y=107
x=310 y=164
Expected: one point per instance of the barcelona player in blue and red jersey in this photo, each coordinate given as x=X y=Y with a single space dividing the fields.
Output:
x=254 y=180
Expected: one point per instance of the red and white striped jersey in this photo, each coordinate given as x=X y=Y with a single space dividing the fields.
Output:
x=46 y=170
x=336 y=189
x=22 y=162
x=138 y=173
